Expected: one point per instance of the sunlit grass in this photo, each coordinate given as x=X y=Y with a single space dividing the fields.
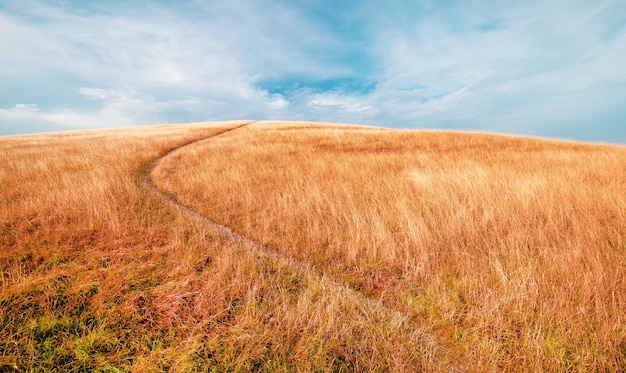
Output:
x=100 y=274
x=510 y=250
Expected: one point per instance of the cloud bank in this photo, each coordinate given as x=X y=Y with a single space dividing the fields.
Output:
x=541 y=68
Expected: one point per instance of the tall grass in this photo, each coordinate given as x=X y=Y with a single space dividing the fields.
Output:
x=511 y=250
x=99 y=274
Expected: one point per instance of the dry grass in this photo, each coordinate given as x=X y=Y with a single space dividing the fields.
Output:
x=510 y=250
x=99 y=274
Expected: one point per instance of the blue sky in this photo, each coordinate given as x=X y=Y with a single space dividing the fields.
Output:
x=546 y=68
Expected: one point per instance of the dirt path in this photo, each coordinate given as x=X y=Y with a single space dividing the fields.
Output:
x=426 y=339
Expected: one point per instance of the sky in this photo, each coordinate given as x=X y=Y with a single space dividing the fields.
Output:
x=550 y=68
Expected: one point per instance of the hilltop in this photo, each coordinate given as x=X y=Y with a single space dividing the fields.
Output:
x=310 y=246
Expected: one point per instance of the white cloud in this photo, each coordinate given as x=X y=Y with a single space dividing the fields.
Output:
x=125 y=106
x=25 y=108
x=471 y=65
x=120 y=107
x=277 y=101
x=344 y=103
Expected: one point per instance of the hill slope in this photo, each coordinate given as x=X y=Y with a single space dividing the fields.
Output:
x=420 y=250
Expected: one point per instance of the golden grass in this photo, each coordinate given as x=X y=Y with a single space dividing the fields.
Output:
x=511 y=251
x=100 y=274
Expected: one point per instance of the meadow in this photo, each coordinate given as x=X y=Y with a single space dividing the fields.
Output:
x=378 y=250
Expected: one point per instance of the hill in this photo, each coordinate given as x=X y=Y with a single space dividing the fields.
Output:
x=309 y=246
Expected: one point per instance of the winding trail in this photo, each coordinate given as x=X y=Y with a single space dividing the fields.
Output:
x=424 y=338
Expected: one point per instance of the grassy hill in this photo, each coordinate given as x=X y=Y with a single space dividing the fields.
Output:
x=370 y=249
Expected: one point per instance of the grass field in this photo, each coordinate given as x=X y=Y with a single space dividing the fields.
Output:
x=421 y=250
